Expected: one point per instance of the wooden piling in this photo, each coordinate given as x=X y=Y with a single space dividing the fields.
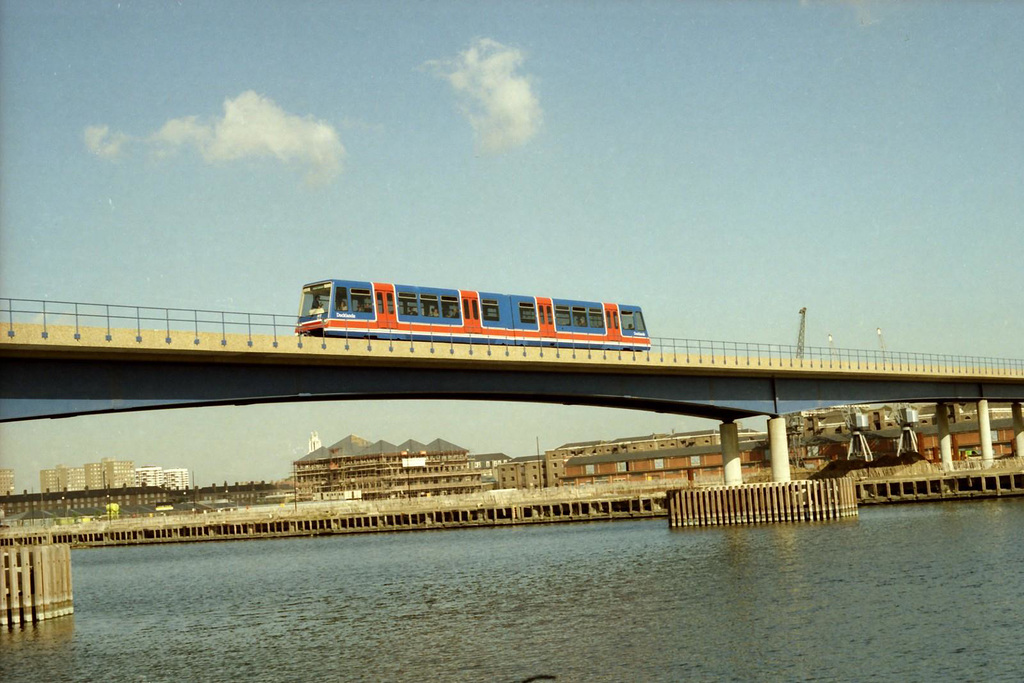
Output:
x=35 y=583
x=794 y=501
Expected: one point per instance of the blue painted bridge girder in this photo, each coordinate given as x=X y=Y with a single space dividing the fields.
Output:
x=54 y=387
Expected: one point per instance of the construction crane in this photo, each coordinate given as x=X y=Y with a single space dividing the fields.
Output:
x=800 y=336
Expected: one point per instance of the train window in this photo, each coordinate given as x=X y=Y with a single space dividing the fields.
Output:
x=627 y=320
x=340 y=299
x=490 y=310
x=579 y=316
x=615 y=319
x=450 y=307
x=562 y=316
x=465 y=308
x=391 y=303
x=543 y=320
x=429 y=303
x=639 y=318
x=608 y=315
x=362 y=302
x=550 y=319
x=476 y=311
x=314 y=300
x=407 y=304
x=380 y=302
x=527 y=313
x=596 y=320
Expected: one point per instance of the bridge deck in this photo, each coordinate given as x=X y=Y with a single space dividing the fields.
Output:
x=97 y=343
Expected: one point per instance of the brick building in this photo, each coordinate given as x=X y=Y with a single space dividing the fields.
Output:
x=693 y=456
x=530 y=471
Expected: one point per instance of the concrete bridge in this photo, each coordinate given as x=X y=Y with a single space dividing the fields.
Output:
x=52 y=370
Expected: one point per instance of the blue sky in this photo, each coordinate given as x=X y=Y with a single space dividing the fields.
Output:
x=720 y=164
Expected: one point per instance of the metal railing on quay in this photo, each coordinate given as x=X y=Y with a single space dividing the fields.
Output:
x=172 y=322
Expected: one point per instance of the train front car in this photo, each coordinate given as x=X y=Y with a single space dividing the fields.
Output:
x=336 y=308
x=633 y=329
x=596 y=325
x=314 y=307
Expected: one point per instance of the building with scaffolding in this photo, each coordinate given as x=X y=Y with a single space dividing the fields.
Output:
x=357 y=469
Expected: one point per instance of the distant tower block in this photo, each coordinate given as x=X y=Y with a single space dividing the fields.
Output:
x=314 y=442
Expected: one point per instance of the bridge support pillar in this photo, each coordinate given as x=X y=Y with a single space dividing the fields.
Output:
x=1018 y=429
x=945 y=440
x=732 y=466
x=779 y=448
x=985 y=433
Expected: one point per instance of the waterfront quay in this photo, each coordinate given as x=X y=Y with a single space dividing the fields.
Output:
x=937 y=486
x=696 y=505
x=356 y=517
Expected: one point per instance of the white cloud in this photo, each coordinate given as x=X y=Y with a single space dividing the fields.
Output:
x=101 y=142
x=499 y=104
x=177 y=132
x=252 y=126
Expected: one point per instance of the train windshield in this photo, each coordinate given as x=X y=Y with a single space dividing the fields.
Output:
x=633 y=321
x=315 y=300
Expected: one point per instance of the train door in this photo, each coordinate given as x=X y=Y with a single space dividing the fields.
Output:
x=612 y=323
x=546 y=320
x=384 y=301
x=471 y=312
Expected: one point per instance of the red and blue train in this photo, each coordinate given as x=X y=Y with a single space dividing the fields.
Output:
x=379 y=310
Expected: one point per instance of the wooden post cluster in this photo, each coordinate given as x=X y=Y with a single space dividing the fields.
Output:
x=768 y=503
x=35 y=583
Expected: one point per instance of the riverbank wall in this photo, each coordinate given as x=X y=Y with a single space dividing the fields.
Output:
x=938 y=486
x=692 y=506
x=347 y=518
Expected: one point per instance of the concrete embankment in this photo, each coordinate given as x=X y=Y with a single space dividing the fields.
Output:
x=910 y=478
x=347 y=518
x=696 y=506
x=940 y=486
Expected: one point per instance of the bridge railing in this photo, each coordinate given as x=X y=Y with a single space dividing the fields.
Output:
x=173 y=322
x=751 y=354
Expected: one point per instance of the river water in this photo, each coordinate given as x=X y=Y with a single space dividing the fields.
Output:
x=904 y=593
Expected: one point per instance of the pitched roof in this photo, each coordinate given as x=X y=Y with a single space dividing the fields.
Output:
x=353 y=445
x=481 y=457
x=442 y=446
x=350 y=445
